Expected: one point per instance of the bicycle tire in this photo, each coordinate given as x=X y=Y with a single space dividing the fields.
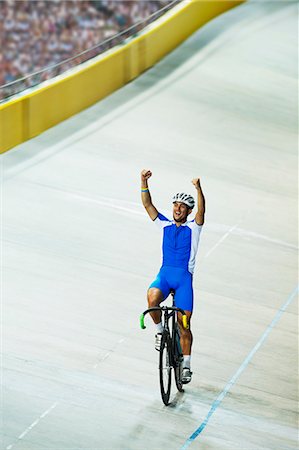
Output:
x=178 y=359
x=165 y=368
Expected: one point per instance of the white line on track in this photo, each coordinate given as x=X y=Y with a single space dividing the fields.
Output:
x=109 y=353
x=252 y=234
x=221 y=240
x=137 y=209
x=22 y=435
x=110 y=204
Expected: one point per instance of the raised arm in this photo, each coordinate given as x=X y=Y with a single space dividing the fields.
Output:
x=146 y=196
x=200 y=215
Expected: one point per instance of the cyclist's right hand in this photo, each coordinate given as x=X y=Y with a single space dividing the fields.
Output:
x=145 y=174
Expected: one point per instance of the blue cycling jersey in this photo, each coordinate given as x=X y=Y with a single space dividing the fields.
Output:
x=179 y=244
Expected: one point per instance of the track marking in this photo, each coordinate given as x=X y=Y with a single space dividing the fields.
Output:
x=252 y=234
x=109 y=353
x=243 y=366
x=137 y=209
x=221 y=240
x=22 y=435
x=111 y=203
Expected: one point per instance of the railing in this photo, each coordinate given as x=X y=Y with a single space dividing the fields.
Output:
x=20 y=85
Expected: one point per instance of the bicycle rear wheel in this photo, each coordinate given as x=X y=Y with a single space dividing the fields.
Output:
x=165 y=368
x=178 y=359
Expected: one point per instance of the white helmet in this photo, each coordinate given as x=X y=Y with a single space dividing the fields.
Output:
x=184 y=198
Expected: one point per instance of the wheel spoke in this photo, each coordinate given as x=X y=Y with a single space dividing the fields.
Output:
x=165 y=369
x=177 y=360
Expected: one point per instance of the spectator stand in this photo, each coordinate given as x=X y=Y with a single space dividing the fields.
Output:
x=43 y=40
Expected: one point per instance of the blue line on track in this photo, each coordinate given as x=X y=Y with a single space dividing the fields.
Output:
x=244 y=364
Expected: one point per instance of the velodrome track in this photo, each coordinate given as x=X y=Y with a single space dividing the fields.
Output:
x=79 y=252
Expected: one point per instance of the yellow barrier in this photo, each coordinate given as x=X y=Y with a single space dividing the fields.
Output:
x=31 y=114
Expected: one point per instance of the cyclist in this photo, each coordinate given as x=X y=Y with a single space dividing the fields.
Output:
x=179 y=247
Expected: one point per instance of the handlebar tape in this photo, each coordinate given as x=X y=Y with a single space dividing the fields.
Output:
x=185 y=322
x=142 y=326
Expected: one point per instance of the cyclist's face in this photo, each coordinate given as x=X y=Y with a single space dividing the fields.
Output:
x=180 y=212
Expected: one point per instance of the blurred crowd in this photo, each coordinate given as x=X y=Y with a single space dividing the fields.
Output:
x=38 y=34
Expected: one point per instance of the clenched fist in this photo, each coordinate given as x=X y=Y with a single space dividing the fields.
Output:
x=196 y=182
x=145 y=175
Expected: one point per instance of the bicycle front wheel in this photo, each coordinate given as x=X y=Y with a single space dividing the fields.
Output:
x=178 y=359
x=165 y=368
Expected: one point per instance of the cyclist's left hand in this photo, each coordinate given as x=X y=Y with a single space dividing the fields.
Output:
x=196 y=182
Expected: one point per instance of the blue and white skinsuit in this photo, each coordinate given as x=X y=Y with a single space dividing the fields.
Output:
x=179 y=248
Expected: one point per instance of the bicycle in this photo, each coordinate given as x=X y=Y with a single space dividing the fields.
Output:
x=170 y=355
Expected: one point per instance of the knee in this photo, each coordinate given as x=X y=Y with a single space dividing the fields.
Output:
x=185 y=333
x=154 y=297
x=152 y=302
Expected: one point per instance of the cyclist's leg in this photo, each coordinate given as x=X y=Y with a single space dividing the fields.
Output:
x=184 y=300
x=154 y=298
x=186 y=335
x=157 y=293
